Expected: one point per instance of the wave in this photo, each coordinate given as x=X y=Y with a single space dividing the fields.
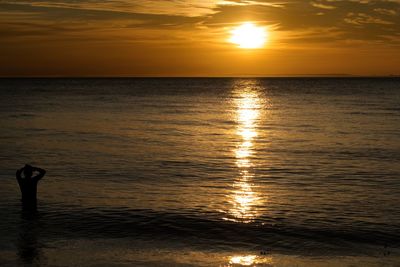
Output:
x=208 y=230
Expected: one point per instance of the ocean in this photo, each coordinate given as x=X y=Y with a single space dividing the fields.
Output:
x=202 y=172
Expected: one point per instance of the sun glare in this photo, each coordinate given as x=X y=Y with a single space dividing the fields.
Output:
x=249 y=36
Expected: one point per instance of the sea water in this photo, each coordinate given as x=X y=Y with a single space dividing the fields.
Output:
x=196 y=172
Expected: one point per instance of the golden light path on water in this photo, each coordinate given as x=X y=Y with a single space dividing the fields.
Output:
x=250 y=260
x=244 y=200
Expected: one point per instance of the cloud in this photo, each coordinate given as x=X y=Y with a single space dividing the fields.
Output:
x=318 y=20
x=173 y=7
x=252 y=3
x=362 y=18
x=321 y=5
x=385 y=11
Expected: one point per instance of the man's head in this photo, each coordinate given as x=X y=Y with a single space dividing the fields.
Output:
x=28 y=171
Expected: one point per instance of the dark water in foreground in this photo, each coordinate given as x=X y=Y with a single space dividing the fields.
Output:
x=202 y=171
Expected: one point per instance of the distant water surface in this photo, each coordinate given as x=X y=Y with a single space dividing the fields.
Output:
x=214 y=167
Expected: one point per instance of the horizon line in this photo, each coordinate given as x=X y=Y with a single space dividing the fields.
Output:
x=200 y=76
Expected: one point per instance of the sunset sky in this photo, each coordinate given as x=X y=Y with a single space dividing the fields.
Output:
x=192 y=38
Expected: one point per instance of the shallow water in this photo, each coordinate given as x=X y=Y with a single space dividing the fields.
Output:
x=219 y=167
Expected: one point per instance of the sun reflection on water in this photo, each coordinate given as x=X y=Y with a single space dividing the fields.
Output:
x=243 y=197
x=250 y=260
x=243 y=260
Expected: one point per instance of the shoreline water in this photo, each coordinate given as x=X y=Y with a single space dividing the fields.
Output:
x=125 y=252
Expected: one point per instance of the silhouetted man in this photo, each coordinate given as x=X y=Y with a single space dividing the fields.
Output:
x=28 y=185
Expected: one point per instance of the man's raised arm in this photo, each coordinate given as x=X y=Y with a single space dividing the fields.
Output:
x=42 y=172
x=18 y=174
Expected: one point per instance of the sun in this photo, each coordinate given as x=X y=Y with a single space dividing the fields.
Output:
x=249 y=36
